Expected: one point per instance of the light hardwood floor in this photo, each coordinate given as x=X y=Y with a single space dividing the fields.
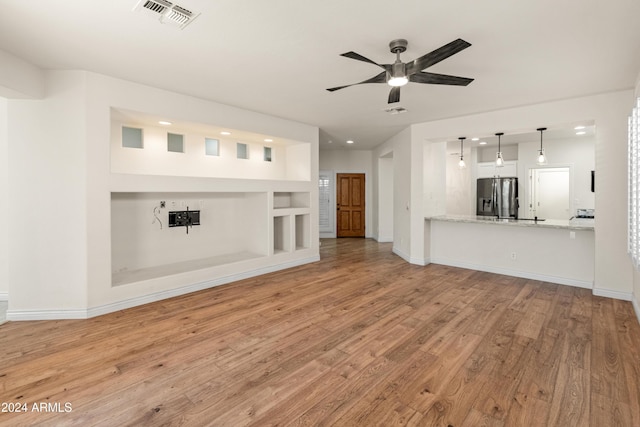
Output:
x=360 y=338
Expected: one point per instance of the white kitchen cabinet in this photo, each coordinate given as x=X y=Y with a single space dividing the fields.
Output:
x=489 y=169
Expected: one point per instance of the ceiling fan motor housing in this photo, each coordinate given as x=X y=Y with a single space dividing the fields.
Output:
x=398 y=69
x=398 y=45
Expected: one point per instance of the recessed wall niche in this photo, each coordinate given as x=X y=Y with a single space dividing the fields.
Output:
x=175 y=143
x=131 y=137
x=211 y=147
x=242 y=151
x=233 y=228
x=290 y=159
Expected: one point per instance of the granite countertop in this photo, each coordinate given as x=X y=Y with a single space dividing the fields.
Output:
x=568 y=224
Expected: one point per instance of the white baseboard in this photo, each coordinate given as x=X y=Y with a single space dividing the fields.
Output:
x=636 y=307
x=47 y=314
x=401 y=254
x=516 y=273
x=625 y=296
x=4 y=296
x=324 y=235
x=17 y=315
x=411 y=260
x=384 y=239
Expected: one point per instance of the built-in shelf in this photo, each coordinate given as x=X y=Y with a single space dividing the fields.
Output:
x=132 y=276
x=281 y=234
x=254 y=204
x=303 y=230
x=286 y=200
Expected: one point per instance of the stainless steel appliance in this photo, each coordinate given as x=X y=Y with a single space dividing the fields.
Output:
x=586 y=213
x=497 y=197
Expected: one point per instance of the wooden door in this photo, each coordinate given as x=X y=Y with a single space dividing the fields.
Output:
x=350 y=205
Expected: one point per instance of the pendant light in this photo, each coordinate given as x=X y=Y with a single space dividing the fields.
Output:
x=461 y=163
x=499 y=159
x=541 y=157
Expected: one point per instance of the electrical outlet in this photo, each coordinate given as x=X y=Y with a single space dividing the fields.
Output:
x=184 y=218
x=513 y=255
x=572 y=234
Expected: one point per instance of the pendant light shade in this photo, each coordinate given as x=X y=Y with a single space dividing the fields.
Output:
x=461 y=163
x=499 y=159
x=542 y=159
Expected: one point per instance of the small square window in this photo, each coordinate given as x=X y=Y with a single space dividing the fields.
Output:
x=242 y=151
x=267 y=154
x=131 y=137
x=175 y=143
x=211 y=147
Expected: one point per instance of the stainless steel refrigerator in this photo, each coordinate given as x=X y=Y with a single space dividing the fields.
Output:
x=497 y=197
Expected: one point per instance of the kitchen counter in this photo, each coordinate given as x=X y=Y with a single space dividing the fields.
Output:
x=553 y=251
x=571 y=224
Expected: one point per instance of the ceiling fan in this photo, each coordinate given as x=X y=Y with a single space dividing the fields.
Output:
x=400 y=73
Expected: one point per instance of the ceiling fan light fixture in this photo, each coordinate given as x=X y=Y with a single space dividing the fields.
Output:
x=397 y=81
x=398 y=75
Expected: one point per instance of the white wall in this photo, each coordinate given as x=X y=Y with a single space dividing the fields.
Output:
x=459 y=195
x=400 y=146
x=434 y=196
x=20 y=79
x=47 y=169
x=384 y=228
x=4 y=194
x=488 y=154
x=353 y=161
x=613 y=271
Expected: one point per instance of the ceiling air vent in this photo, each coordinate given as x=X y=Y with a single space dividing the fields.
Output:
x=167 y=12
x=154 y=6
x=395 y=110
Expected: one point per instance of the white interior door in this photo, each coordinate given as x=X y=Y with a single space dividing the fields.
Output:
x=551 y=193
x=325 y=192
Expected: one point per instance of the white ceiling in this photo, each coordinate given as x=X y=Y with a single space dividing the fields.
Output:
x=279 y=56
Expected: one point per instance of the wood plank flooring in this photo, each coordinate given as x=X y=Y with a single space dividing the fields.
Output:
x=360 y=338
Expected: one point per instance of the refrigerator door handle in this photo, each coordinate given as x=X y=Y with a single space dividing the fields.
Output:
x=494 y=198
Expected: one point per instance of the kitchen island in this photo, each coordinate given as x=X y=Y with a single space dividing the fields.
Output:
x=556 y=251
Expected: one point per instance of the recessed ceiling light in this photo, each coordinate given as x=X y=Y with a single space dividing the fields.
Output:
x=268 y=140
x=581 y=133
x=164 y=122
x=224 y=132
x=349 y=142
x=578 y=127
x=483 y=143
x=475 y=139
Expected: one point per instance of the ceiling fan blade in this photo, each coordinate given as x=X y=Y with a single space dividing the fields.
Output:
x=436 y=56
x=439 y=79
x=359 y=57
x=394 y=95
x=380 y=78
